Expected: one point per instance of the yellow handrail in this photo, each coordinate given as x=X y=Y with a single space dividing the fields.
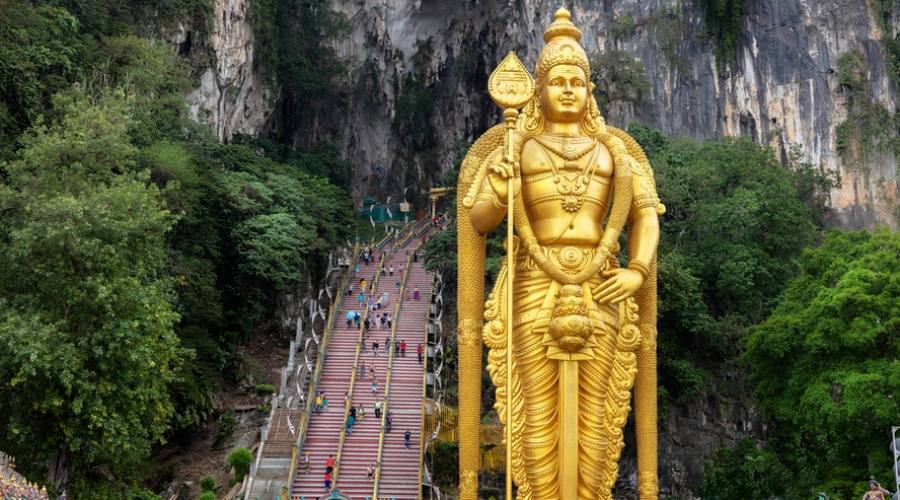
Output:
x=349 y=398
x=387 y=382
x=317 y=371
x=348 y=401
x=424 y=383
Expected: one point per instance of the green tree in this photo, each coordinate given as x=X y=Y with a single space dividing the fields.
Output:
x=270 y=246
x=38 y=56
x=736 y=220
x=120 y=153
x=825 y=363
x=87 y=321
x=743 y=471
x=736 y=214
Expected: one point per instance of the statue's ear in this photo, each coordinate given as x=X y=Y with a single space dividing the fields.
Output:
x=593 y=86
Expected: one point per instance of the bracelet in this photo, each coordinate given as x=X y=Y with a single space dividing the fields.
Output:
x=639 y=267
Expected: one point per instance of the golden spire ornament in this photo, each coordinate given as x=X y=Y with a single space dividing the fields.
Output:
x=569 y=332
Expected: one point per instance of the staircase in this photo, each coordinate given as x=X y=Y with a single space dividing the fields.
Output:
x=399 y=474
x=324 y=435
x=280 y=439
x=269 y=476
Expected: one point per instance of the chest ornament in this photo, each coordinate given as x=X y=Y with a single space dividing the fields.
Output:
x=571 y=180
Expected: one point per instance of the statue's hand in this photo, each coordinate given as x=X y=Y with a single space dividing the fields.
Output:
x=499 y=174
x=619 y=285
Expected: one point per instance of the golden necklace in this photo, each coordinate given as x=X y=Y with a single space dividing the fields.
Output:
x=568 y=150
x=572 y=182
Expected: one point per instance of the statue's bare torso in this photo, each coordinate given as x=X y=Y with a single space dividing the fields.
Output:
x=543 y=171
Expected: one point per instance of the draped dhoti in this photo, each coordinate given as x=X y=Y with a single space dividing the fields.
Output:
x=605 y=373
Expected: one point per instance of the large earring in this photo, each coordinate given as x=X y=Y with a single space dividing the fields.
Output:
x=534 y=117
x=593 y=120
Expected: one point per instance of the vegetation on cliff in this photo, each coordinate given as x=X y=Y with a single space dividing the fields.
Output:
x=723 y=24
x=138 y=250
x=870 y=128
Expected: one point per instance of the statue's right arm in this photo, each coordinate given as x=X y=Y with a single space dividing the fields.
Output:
x=490 y=206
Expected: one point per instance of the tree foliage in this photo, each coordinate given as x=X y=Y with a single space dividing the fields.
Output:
x=138 y=250
x=744 y=471
x=38 y=57
x=87 y=320
x=736 y=221
x=825 y=363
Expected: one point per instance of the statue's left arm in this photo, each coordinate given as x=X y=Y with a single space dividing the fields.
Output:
x=643 y=237
x=643 y=226
x=638 y=279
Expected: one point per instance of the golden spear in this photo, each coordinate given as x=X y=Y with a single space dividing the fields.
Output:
x=510 y=87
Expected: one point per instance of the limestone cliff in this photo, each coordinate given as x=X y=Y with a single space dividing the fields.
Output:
x=780 y=88
x=232 y=97
x=415 y=95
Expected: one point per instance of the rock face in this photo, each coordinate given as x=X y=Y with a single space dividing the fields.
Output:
x=232 y=98
x=781 y=88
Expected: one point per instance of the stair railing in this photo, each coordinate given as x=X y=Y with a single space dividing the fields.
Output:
x=387 y=382
x=362 y=326
x=424 y=383
x=418 y=230
x=317 y=372
x=349 y=399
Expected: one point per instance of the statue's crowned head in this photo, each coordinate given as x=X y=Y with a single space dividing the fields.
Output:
x=563 y=46
x=563 y=75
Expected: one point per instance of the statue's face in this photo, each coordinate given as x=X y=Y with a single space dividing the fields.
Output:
x=564 y=97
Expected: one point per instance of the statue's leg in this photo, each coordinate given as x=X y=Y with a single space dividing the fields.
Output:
x=539 y=380
x=592 y=439
x=594 y=432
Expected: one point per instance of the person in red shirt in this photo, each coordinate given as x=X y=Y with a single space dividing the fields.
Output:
x=402 y=348
x=420 y=351
x=327 y=480
x=329 y=464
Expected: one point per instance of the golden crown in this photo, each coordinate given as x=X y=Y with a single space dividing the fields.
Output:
x=563 y=46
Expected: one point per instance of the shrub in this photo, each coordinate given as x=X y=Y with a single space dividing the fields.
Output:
x=208 y=483
x=743 y=471
x=240 y=459
x=207 y=495
x=227 y=424
x=265 y=389
x=141 y=494
x=623 y=26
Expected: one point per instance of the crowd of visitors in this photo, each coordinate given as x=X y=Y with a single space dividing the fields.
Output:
x=13 y=487
x=371 y=315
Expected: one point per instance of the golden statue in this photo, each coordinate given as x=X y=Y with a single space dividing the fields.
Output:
x=582 y=329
